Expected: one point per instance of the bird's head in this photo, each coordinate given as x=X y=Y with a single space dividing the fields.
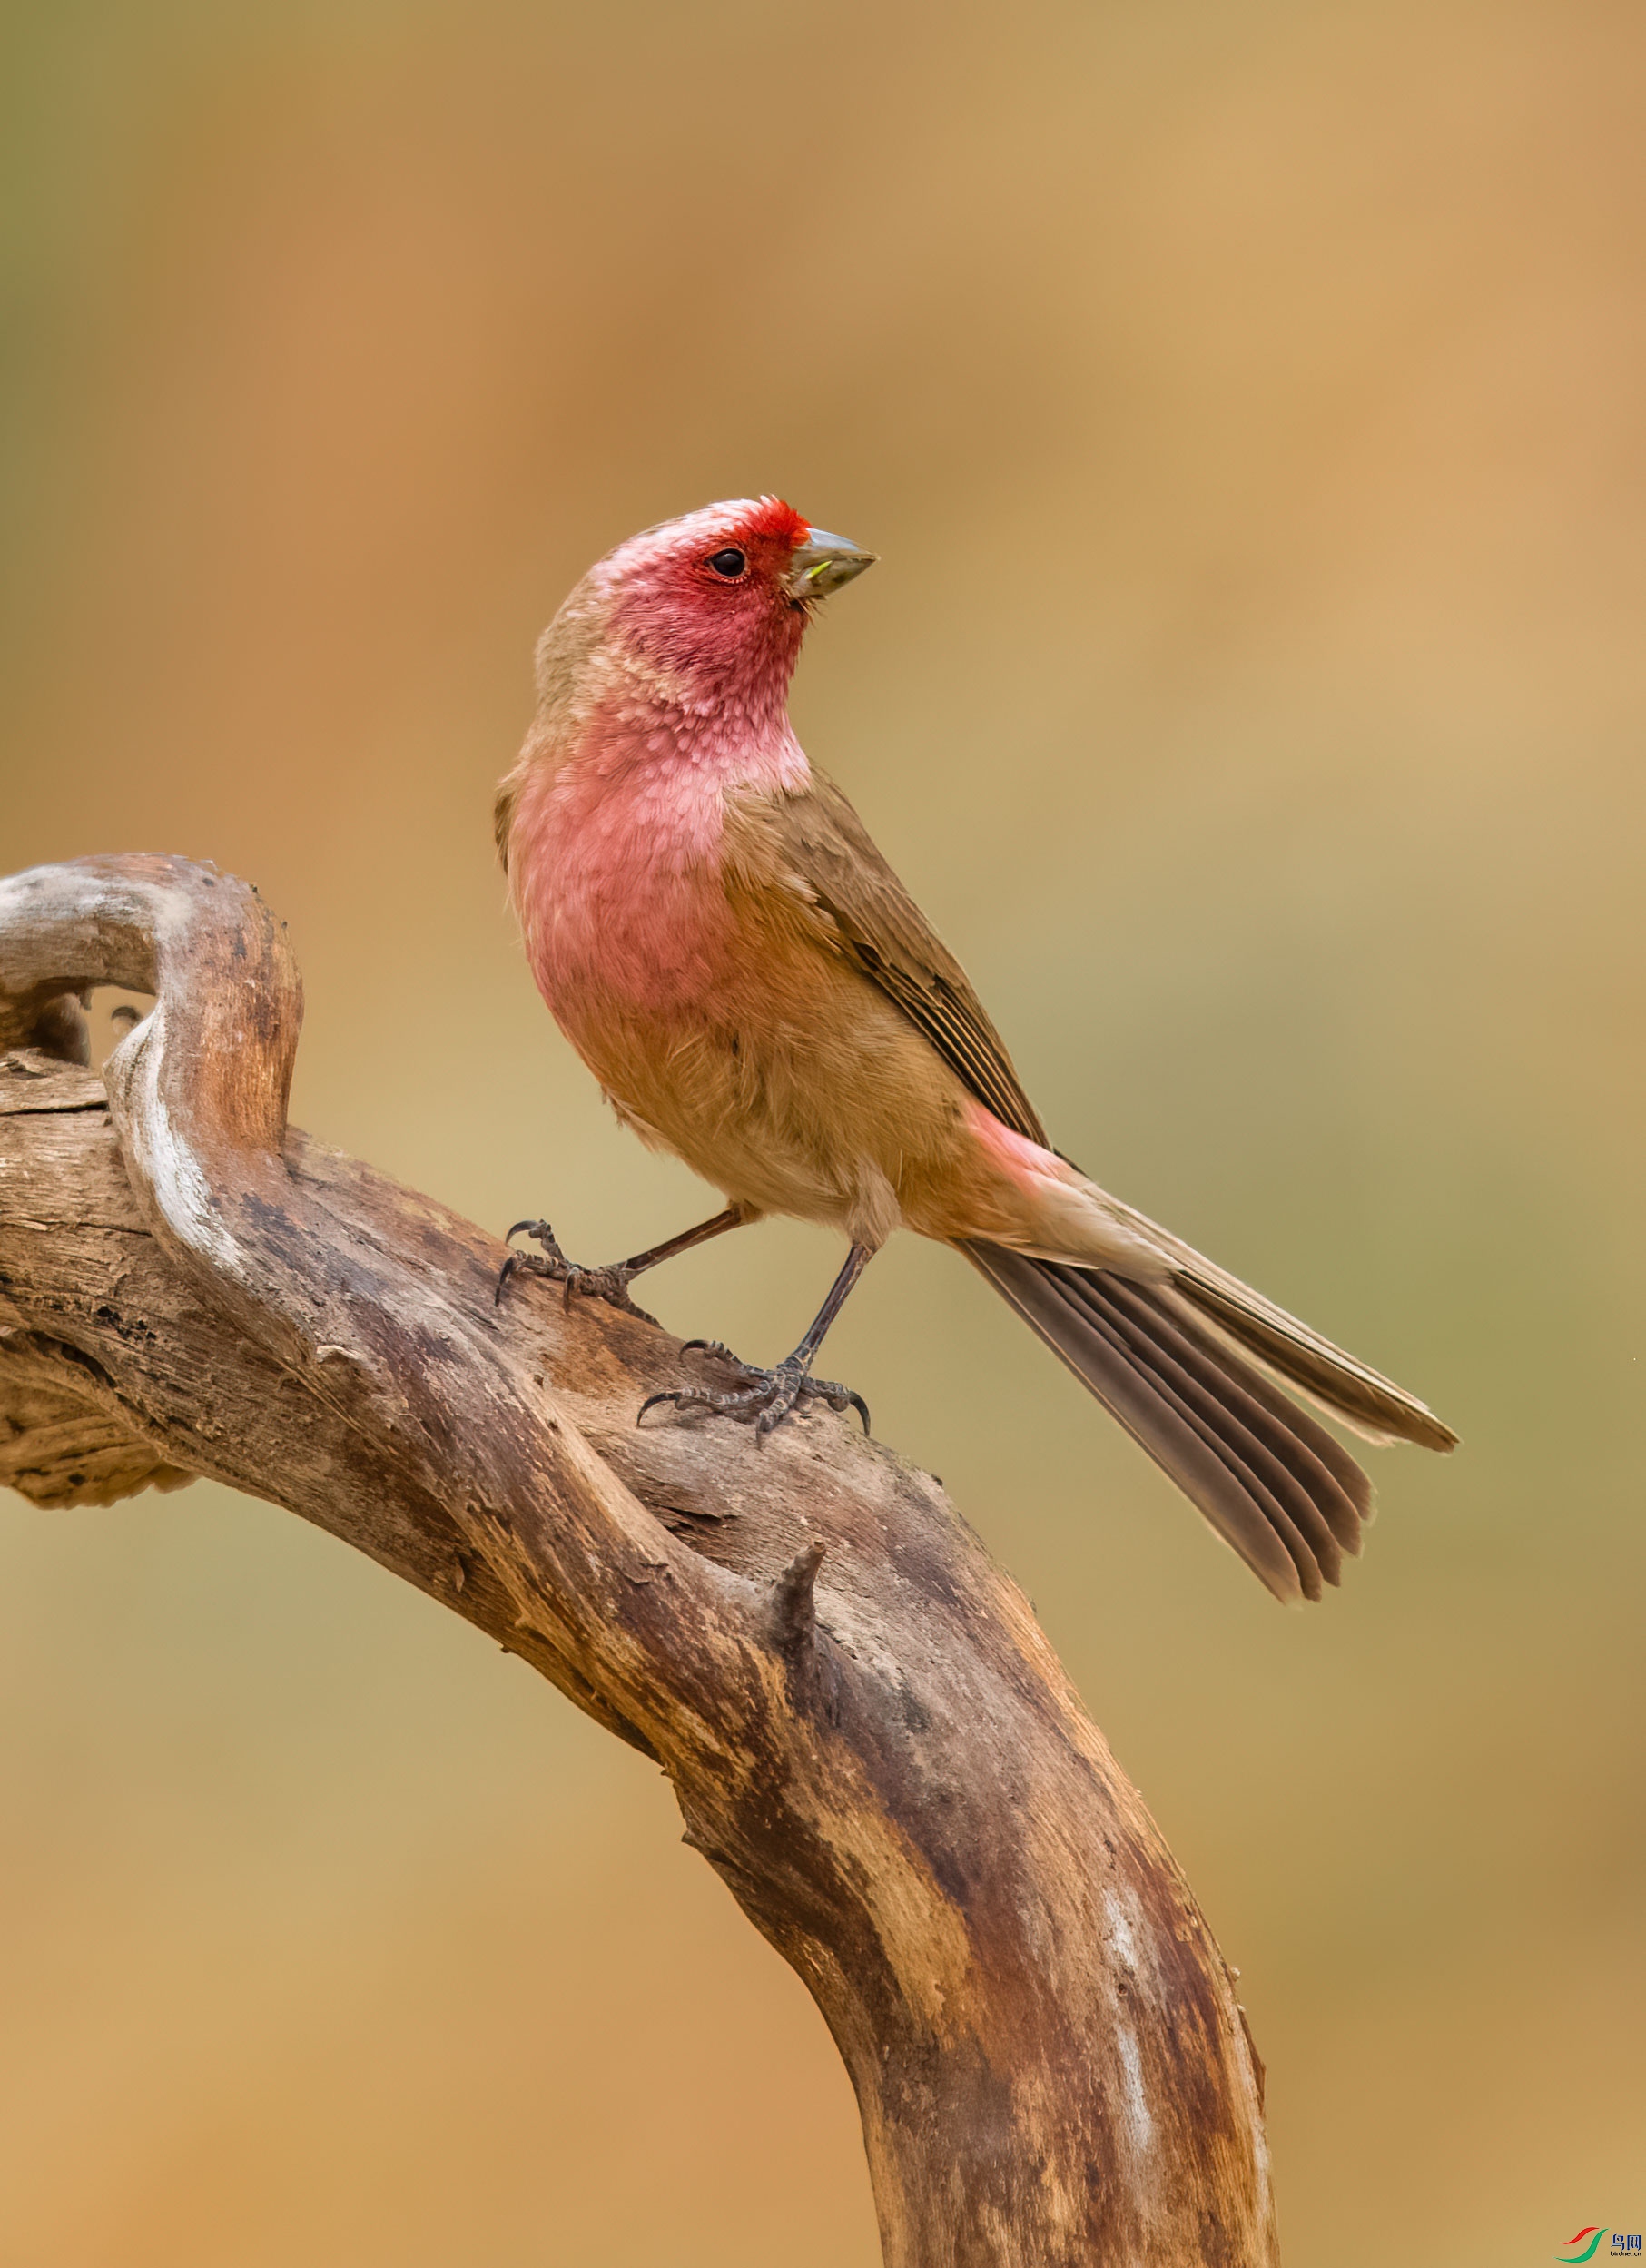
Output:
x=725 y=593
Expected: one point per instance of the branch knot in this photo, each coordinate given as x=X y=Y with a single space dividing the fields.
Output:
x=794 y=1603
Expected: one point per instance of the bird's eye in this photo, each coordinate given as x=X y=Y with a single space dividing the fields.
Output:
x=728 y=563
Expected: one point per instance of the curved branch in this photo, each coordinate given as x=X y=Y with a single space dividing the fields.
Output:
x=868 y=1735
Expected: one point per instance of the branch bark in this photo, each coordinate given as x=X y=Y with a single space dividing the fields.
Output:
x=869 y=1737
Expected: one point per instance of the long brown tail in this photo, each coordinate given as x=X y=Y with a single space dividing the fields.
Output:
x=1274 y=1483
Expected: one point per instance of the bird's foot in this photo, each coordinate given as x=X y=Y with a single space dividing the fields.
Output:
x=610 y=1284
x=770 y=1396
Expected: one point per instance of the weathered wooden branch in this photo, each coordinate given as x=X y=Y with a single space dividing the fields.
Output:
x=869 y=1737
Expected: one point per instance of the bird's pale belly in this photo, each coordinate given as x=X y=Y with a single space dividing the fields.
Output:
x=808 y=1094
x=722 y=1032
x=829 y=1108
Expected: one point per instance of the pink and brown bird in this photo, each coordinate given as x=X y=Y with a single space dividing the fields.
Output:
x=718 y=937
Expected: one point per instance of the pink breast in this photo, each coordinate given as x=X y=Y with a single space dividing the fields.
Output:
x=616 y=866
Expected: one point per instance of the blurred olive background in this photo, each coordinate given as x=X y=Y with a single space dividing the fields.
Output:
x=1247 y=402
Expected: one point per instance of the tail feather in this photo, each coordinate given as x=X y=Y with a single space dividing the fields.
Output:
x=1329 y=1497
x=1371 y=1405
x=1216 y=1413
x=1350 y=1389
x=1271 y=1481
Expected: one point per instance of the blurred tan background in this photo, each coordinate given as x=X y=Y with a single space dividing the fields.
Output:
x=1247 y=402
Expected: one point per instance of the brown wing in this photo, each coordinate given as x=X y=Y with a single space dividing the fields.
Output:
x=815 y=848
x=819 y=848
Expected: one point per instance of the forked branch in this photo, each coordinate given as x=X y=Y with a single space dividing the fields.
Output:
x=868 y=1735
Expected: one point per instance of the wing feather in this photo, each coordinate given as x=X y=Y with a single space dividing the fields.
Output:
x=816 y=847
x=813 y=846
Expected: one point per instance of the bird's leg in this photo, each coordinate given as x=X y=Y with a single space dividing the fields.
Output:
x=771 y=1394
x=610 y=1284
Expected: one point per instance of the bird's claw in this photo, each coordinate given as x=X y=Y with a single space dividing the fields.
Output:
x=770 y=1396
x=610 y=1284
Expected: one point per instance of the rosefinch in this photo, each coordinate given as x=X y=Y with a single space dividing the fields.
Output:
x=722 y=945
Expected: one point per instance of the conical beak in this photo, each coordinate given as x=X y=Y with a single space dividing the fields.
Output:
x=821 y=564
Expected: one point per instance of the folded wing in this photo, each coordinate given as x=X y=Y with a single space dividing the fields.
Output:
x=1181 y=1363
